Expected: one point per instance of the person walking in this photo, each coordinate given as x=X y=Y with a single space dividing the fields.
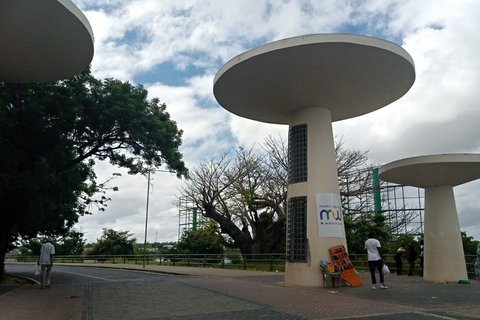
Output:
x=375 y=259
x=411 y=258
x=398 y=259
x=477 y=264
x=421 y=255
x=46 y=262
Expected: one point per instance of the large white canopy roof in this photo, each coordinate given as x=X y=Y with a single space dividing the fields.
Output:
x=433 y=170
x=350 y=75
x=43 y=40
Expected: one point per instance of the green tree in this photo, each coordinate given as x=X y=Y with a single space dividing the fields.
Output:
x=114 y=243
x=469 y=245
x=32 y=246
x=206 y=240
x=404 y=240
x=72 y=243
x=470 y=250
x=357 y=231
x=50 y=136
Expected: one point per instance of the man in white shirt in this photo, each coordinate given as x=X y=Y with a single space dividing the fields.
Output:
x=375 y=259
x=46 y=261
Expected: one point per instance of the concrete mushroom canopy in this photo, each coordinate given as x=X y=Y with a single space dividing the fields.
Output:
x=43 y=41
x=438 y=174
x=307 y=82
x=433 y=170
x=350 y=75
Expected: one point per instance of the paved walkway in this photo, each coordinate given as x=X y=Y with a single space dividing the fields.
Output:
x=206 y=293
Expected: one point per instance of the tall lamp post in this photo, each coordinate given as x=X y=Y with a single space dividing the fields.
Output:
x=146 y=213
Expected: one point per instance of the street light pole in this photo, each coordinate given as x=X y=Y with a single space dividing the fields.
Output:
x=146 y=213
x=146 y=221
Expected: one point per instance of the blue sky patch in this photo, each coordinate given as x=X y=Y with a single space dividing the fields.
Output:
x=168 y=74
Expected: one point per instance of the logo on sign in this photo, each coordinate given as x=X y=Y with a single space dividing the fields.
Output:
x=330 y=215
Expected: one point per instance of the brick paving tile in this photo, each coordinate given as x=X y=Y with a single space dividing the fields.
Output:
x=319 y=303
x=211 y=294
x=29 y=302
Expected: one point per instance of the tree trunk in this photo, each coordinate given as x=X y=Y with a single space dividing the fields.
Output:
x=5 y=242
x=271 y=239
x=3 y=252
x=242 y=238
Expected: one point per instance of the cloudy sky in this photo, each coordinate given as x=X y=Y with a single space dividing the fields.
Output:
x=175 y=47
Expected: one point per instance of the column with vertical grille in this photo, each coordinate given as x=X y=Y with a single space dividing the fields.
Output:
x=297 y=154
x=297 y=242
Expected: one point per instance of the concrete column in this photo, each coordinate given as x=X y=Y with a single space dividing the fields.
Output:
x=444 y=255
x=322 y=178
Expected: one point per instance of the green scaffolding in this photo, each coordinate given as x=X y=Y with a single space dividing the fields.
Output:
x=402 y=205
x=189 y=216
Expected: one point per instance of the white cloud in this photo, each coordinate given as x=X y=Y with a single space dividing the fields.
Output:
x=438 y=115
x=250 y=132
x=204 y=127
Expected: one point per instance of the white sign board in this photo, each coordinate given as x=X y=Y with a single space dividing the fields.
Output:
x=329 y=215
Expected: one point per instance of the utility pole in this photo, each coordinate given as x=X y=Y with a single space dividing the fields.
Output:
x=146 y=212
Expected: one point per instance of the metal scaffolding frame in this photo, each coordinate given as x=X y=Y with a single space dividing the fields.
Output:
x=189 y=216
x=402 y=205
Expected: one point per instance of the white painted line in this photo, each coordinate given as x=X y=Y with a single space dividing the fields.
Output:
x=84 y=275
x=123 y=280
x=435 y=315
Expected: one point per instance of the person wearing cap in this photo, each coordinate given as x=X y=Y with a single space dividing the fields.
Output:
x=46 y=262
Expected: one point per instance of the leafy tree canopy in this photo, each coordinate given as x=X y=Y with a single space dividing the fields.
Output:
x=405 y=241
x=206 y=240
x=357 y=231
x=71 y=243
x=469 y=245
x=114 y=243
x=52 y=133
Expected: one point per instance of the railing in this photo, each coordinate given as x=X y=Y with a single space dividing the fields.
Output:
x=360 y=262
x=266 y=262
